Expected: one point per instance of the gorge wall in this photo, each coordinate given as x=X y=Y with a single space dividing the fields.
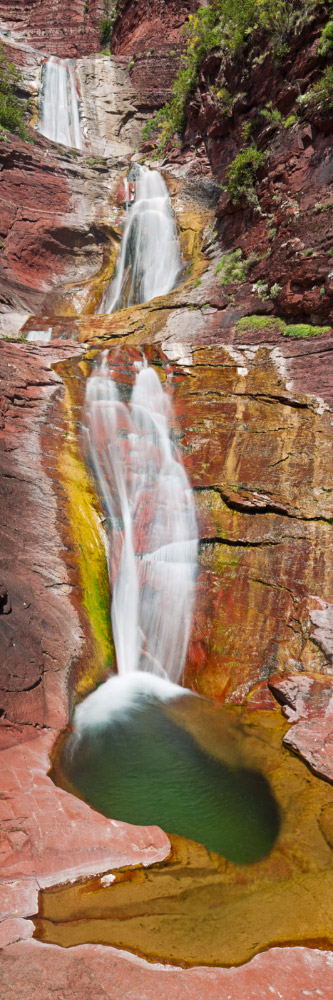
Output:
x=253 y=420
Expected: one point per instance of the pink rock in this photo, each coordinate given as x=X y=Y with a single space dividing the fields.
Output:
x=308 y=703
x=93 y=972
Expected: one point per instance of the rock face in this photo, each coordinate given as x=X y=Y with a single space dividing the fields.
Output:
x=148 y=37
x=110 y=107
x=66 y=30
x=56 y=225
x=289 y=232
x=41 y=635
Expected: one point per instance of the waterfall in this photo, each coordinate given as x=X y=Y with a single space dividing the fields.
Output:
x=149 y=259
x=150 y=507
x=59 y=112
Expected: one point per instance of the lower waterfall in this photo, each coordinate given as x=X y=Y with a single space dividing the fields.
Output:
x=59 y=118
x=153 y=535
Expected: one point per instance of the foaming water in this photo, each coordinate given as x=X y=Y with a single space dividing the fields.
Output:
x=120 y=696
x=59 y=118
x=149 y=260
x=153 y=532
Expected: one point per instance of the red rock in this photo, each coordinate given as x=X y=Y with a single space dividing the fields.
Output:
x=62 y=29
x=93 y=972
x=308 y=704
x=49 y=835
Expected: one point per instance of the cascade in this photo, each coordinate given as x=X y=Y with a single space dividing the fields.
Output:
x=59 y=118
x=149 y=504
x=150 y=259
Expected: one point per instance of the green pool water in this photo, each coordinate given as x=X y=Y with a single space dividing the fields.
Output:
x=145 y=769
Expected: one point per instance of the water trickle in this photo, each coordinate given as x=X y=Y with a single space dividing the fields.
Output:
x=149 y=503
x=59 y=118
x=150 y=259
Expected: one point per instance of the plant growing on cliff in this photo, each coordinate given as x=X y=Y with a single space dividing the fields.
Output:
x=228 y=26
x=108 y=21
x=242 y=175
x=326 y=40
x=11 y=107
x=234 y=267
x=274 y=324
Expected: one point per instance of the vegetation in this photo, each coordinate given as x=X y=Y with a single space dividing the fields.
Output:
x=229 y=26
x=11 y=107
x=274 y=324
x=108 y=20
x=326 y=40
x=242 y=174
x=233 y=267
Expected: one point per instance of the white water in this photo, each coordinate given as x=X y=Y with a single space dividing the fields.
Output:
x=149 y=502
x=121 y=696
x=149 y=259
x=59 y=118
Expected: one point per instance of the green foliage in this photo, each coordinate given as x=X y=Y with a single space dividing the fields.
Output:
x=233 y=267
x=105 y=30
x=301 y=330
x=272 y=115
x=326 y=40
x=11 y=107
x=320 y=97
x=274 y=324
x=107 y=23
x=249 y=323
x=228 y=26
x=242 y=173
x=291 y=120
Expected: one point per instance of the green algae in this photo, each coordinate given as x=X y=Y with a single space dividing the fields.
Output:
x=87 y=539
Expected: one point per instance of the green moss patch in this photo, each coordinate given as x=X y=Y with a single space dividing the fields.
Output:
x=272 y=323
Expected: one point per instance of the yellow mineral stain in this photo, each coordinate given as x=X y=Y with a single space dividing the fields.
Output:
x=88 y=541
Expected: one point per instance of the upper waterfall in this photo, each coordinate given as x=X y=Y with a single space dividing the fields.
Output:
x=59 y=118
x=150 y=257
x=148 y=499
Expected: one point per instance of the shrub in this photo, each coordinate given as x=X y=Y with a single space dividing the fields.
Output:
x=242 y=174
x=11 y=107
x=233 y=267
x=326 y=40
x=320 y=97
x=105 y=30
